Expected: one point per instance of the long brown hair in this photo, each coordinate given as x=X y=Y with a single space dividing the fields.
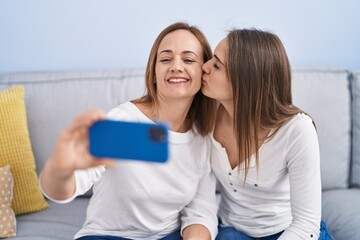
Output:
x=260 y=75
x=202 y=110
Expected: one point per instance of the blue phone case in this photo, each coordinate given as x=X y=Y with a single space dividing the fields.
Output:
x=129 y=140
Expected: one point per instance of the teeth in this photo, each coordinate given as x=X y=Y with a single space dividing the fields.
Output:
x=177 y=80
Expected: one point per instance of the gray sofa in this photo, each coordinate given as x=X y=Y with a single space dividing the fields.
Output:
x=331 y=97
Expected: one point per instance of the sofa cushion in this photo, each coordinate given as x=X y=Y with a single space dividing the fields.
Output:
x=355 y=175
x=59 y=221
x=53 y=98
x=341 y=213
x=325 y=96
x=15 y=150
x=7 y=216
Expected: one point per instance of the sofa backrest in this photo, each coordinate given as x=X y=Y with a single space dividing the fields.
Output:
x=53 y=99
x=325 y=96
x=355 y=174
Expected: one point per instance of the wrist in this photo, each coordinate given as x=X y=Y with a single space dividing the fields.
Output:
x=57 y=170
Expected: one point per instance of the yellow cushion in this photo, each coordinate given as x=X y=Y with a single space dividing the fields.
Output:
x=7 y=216
x=15 y=150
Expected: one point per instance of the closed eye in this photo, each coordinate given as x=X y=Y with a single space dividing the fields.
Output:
x=189 y=60
x=216 y=66
x=165 y=60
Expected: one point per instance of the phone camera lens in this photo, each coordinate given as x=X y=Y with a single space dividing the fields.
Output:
x=157 y=134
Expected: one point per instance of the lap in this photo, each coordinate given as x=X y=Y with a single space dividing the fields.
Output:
x=230 y=233
x=324 y=232
x=172 y=236
x=98 y=237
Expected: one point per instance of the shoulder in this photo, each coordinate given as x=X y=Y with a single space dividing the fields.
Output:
x=299 y=122
x=125 y=111
x=301 y=132
x=203 y=145
x=298 y=130
x=199 y=139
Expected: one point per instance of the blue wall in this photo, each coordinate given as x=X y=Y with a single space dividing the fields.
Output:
x=94 y=34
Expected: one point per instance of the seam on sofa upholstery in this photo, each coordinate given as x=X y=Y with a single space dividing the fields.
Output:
x=355 y=138
x=69 y=80
x=352 y=84
x=43 y=77
x=325 y=70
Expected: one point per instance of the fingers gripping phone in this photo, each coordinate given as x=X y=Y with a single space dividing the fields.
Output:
x=129 y=140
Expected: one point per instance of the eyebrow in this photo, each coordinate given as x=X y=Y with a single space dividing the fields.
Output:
x=219 y=59
x=183 y=52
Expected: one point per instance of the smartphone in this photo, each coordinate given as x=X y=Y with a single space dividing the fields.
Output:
x=129 y=140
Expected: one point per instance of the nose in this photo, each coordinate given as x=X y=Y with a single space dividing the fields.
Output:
x=176 y=66
x=205 y=67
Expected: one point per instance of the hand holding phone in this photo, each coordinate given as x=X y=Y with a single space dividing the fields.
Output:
x=129 y=140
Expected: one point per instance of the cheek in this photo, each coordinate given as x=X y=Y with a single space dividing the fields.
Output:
x=227 y=89
x=221 y=87
x=159 y=71
x=197 y=75
x=156 y=71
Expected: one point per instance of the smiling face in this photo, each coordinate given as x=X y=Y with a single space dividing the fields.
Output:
x=216 y=84
x=178 y=72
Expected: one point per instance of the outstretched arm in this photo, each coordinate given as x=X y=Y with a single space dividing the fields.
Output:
x=71 y=153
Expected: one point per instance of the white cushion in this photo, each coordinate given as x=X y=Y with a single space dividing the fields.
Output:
x=341 y=213
x=325 y=96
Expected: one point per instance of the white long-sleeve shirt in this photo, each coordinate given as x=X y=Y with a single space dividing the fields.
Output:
x=141 y=200
x=285 y=193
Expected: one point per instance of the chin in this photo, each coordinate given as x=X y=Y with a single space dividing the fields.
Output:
x=205 y=92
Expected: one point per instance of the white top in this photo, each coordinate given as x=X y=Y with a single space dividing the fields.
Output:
x=142 y=200
x=285 y=193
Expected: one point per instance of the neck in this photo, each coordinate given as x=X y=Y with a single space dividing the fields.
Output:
x=172 y=112
x=175 y=114
x=227 y=114
x=227 y=109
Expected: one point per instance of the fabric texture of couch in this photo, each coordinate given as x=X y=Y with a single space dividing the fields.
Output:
x=330 y=97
